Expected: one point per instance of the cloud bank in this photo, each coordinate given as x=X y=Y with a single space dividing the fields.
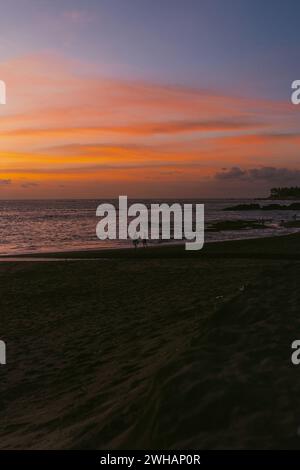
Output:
x=267 y=173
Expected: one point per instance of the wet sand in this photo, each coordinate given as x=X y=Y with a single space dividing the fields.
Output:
x=153 y=349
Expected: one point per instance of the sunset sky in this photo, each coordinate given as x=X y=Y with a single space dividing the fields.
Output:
x=149 y=98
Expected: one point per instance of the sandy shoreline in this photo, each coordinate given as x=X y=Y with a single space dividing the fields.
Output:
x=285 y=247
x=153 y=349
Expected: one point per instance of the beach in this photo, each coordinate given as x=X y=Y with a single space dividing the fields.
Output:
x=45 y=226
x=156 y=348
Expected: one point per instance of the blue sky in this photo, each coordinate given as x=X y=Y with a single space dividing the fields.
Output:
x=250 y=47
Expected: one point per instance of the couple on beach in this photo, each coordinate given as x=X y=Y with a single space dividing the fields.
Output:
x=136 y=240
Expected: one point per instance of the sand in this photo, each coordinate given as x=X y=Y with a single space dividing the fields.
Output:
x=153 y=349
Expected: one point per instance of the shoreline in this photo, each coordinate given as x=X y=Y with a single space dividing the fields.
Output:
x=278 y=246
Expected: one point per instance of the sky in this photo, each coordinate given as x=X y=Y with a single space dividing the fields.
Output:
x=160 y=98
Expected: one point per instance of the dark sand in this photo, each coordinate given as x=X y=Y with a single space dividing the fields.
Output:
x=157 y=348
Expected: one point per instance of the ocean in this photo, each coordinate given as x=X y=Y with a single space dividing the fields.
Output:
x=41 y=226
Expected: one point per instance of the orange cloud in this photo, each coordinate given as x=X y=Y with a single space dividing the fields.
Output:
x=61 y=125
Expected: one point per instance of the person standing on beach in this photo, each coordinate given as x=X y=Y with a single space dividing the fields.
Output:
x=144 y=241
